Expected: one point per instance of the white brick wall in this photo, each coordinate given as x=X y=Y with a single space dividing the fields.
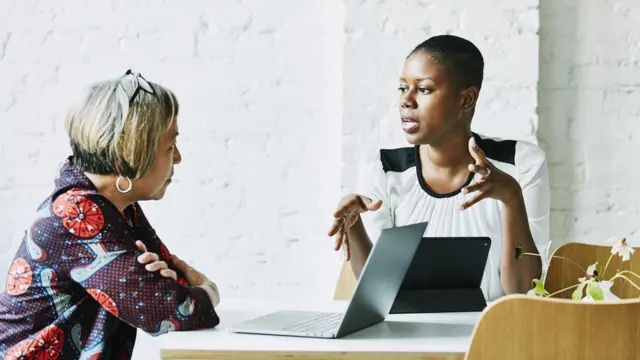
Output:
x=589 y=108
x=380 y=34
x=260 y=91
x=280 y=98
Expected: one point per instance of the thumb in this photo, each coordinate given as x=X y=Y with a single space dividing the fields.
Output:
x=372 y=205
x=140 y=246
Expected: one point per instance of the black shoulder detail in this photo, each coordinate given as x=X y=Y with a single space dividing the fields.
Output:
x=398 y=160
x=498 y=150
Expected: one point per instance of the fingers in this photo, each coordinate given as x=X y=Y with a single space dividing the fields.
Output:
x=476 y=152
x=373 y=205
x=474 y=187
x=339 y=237
x=347 y=248
x=481 y=170
x=481 y=194
x=140 y=245
x=168 y=273
x=148 y=257
x=156 y=266
x=354 y=203
x=337 y=224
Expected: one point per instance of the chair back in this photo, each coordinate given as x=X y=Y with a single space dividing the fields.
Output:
x=527 y=328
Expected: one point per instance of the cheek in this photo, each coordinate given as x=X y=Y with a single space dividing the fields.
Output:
x=436 y=106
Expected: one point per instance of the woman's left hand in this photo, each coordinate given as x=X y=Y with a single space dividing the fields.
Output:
x=493 y=183
x=153 y=263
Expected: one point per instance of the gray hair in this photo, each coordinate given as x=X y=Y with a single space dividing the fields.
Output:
x=110 y=135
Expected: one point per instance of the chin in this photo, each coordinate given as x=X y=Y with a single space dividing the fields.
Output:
x=417 y=138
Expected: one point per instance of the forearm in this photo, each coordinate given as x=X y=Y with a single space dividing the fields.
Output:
x=360 y=246
x=517 y=274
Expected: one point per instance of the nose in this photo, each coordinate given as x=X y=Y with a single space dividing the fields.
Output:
x=177 y=156
x=408 y=101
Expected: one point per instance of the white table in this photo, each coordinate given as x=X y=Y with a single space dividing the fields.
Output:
x=407 y=336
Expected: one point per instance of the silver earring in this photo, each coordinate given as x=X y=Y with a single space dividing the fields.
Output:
x=118 y=184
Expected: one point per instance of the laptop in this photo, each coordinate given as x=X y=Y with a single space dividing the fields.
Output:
x=444 y=276
x=373 y=296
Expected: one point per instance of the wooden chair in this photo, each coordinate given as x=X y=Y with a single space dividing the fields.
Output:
x=527 y=327
x=346 y=283
x=562 y=273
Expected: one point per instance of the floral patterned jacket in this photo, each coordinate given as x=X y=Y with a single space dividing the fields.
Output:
x=75 y=289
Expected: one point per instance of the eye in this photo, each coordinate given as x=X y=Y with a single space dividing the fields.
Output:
x=424 y=91
x=402 y=89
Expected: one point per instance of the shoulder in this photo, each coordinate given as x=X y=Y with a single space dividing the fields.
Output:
x=84 y=212
x=391 y=160
x=521 y=156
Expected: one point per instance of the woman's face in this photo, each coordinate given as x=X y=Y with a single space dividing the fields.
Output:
x=153 y=184
x=430 y=103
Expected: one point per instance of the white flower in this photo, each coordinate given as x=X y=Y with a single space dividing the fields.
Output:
x=621 y=247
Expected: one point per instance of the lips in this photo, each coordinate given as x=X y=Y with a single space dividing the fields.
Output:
x=409 y=124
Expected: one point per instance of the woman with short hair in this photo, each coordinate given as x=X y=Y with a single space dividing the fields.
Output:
x=90 y=269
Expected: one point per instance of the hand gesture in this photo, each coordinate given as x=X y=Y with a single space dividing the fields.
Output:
x=153 y=263
x=196 y=278
x=493 y=183
x=347 y=214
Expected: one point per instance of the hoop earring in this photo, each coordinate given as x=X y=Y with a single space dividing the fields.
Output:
x=118 y=184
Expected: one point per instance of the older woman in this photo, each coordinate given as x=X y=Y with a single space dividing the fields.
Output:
x=91 y=269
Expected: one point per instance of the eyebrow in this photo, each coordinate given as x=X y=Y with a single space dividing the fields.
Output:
x=420 y=79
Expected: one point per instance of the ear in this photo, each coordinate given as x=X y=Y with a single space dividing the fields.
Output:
x=469 y=97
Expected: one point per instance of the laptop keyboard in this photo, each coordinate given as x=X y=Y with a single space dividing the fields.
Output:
x=319 y=323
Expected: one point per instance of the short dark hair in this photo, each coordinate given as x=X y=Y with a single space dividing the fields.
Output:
x=460 y=56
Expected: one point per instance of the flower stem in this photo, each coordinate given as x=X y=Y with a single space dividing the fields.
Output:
x=559 y=257
x=565 y=289
x=606 y=266
x=629 y=272
x=626 y=278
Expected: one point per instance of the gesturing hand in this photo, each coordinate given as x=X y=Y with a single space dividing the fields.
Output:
x=347 y=214
x=153 y=263
x=493 y=183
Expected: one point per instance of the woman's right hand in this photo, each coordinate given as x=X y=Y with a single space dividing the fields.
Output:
x=347 y=215
x=196 y=278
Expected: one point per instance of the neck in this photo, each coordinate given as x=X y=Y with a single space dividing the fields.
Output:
x=451 y=153
x=106 y=186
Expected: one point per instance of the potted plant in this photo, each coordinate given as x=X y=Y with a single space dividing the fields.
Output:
x=594 y=285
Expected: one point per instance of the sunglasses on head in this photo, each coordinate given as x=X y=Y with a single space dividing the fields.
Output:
x=141 y=84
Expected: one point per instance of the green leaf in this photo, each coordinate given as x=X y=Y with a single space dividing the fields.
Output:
x=577 y=293
x=592 y=269
x=538 y=288
x=595 y=291
x=582 y=279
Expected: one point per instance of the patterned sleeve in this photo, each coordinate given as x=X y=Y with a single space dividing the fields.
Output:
x=101 y=256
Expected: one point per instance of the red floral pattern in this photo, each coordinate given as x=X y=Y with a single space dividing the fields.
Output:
x=84 y=218
x=105 y=300
x=48 y=344
x=23 y=350
x=65 y=202
x=19 y=278
x=42 y=272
